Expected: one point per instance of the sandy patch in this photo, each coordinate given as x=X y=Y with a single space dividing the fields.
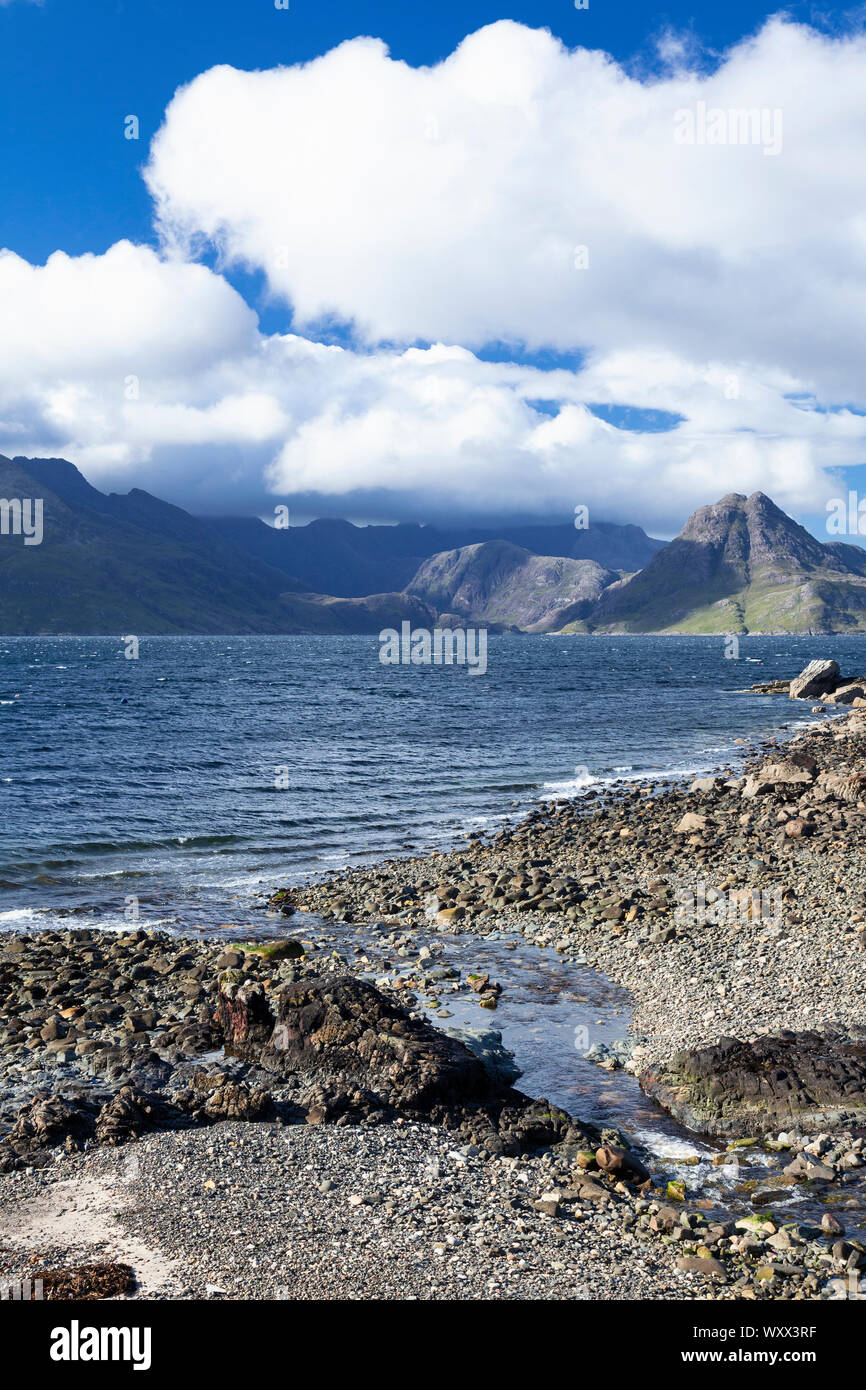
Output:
x=78 y=1215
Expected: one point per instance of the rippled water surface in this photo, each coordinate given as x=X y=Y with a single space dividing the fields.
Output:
x=212 y=763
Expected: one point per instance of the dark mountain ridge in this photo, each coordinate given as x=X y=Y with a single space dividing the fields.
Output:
x=338 y=557
x=134 y=564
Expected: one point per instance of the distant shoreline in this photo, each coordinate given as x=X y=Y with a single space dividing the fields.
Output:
x=491 y=629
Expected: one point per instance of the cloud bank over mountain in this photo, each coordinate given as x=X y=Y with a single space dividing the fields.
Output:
x=516 y=194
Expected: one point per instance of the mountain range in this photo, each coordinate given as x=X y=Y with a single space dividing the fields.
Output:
x=335 y=557
x=135 y=564
x=132 y=563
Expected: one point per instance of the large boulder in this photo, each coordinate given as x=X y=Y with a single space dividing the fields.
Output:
x=817 y=678
x=844 y=784
x=847 y=694
x=342 y=1036
x=705 y=786
x=799 y=827
x=122 y=1118
x=787 y=775
x=807 y=1081
x=622 y=1164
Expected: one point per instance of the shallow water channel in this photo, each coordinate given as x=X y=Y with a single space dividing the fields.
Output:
x=550 y=1011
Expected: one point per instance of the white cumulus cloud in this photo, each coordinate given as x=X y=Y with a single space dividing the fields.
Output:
x=515 y=193
x=446 y=203
x=155 y=371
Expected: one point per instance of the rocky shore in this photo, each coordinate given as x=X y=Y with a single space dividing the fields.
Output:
x=732 y=910
x=735 y=905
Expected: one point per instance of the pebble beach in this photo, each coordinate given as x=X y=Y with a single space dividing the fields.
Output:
x=733 y=907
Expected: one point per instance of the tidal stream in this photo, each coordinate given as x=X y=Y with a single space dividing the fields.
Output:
x=550 y=1012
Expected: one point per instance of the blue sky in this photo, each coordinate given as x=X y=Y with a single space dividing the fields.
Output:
x=72 y=71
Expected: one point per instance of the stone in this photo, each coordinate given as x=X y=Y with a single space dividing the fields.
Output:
x=699 y=1264
x=844 y=785
x=665 y=1219
x=785 y=774
x=587 y=1189
x=275 y=950
x=662 y=936
x=478 y=983
x=620 y=1162
x=282 y=901
x=780 y=1241
x=819 y=1172
x=818 y=678
x=798 y=828
x=230 y=960
x=450 y=914
x=847 y=694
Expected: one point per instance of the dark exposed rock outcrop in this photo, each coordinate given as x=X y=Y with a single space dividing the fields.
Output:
x=48 y=1123
x=344 y=1032
x=355 y=1055
x=808 y=1081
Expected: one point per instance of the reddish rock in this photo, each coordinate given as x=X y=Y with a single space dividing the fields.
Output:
x=621 y=1163
x=798 y=827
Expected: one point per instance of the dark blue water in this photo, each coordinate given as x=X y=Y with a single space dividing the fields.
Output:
x=176 y=797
